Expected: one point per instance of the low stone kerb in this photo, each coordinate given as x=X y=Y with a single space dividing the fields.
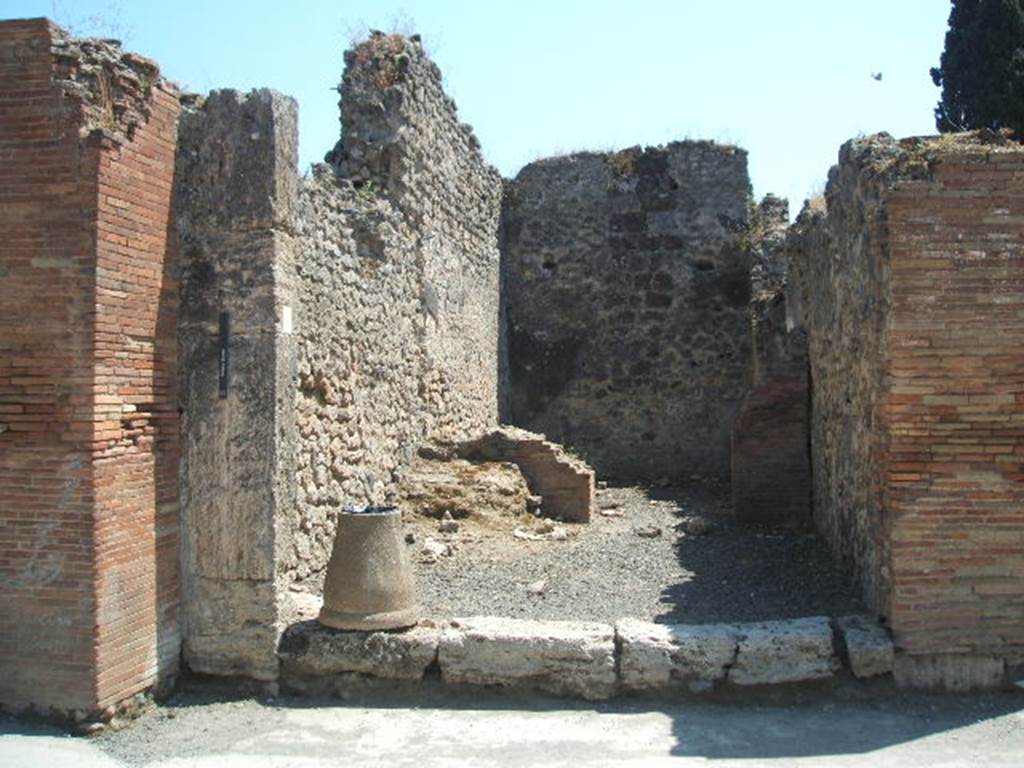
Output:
x=560 y=657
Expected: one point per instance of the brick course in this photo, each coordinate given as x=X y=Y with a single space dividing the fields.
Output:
x=88 y=419
x=953 y=409
x=914 y=303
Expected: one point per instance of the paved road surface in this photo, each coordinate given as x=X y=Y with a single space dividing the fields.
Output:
x=875 y=727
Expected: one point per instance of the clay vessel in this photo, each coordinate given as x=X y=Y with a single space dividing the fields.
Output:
x=369 y=583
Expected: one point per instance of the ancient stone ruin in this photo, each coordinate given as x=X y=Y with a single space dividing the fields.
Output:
x=627 y=289
x=204 y=355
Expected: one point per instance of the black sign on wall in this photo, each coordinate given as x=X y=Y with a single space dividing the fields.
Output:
x=225 y=353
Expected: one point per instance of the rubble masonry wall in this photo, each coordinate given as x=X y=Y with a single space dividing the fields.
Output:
x=841 y=261
x=364 y=322
x=627 y=282
x=399 y=322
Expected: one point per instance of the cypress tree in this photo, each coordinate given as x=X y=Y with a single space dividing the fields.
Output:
x=981 y=71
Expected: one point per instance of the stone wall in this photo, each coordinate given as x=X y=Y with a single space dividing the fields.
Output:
x=428 y=165
x=627 y=279
x=236 y=201
x=364 y=321
x=841 y=260
x=359 y=326
x=398 y=274
x=914 y=308
x=88 y=419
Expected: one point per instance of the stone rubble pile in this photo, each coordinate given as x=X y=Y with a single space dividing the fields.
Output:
x=505 y=470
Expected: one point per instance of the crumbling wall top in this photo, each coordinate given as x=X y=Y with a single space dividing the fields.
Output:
x=383 y=75
x=889 y=161
x=111 y=87
x=401 y=134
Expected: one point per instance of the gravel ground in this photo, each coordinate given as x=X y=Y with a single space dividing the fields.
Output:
x=607 y=569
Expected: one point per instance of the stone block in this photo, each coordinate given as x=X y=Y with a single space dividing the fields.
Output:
x=788 y=651
x=310 y=649
x=657 y=655
x=232 y=628
x=559 y=657
x=868 y=645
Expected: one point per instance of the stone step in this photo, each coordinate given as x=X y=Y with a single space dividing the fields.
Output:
x=590 y=660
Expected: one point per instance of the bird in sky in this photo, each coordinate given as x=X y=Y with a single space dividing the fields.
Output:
x=877 y=76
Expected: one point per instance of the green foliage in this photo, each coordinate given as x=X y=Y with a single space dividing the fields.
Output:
x=982 y=67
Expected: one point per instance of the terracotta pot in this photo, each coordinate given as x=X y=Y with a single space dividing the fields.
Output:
x=369 y=583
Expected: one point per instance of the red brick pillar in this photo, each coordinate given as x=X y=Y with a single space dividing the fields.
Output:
x=953 y=416
x=88 y=407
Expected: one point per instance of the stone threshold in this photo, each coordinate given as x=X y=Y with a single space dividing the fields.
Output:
x=589 y=660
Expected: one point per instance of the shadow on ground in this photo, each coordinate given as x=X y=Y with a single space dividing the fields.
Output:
x=746 y=572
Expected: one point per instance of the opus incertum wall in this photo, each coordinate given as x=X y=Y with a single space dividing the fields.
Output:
x=361 y=307
x=627 y=284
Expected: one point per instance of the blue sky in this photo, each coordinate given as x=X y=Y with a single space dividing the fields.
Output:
x=788 y=80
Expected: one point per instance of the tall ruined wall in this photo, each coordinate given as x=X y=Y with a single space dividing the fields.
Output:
x=841 y=261
x=398 y=279
x=401 y=137
x=88 y=418
x=236 y=197
x=914 y=305
x=364 y=320
x=627 y=279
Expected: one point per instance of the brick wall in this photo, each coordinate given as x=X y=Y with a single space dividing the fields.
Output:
x=88 y=539
x=46 y=547
x=913 y=300
x=135 y=442
x=953 y=408
x=771 y=477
